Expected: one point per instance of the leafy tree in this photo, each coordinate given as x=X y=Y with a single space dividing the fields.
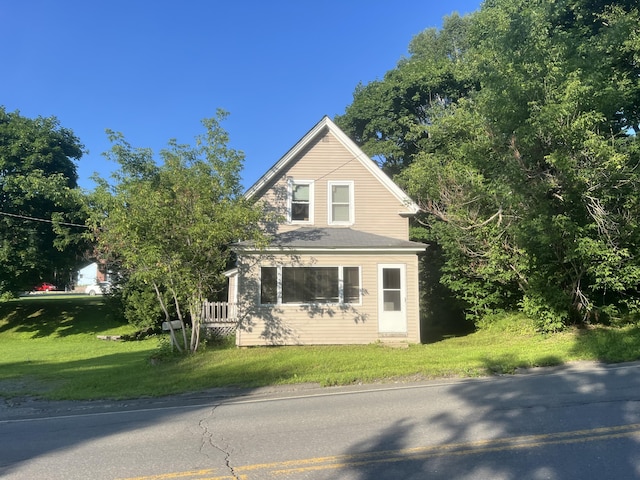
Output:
x=390 y=118
x=544 y=164
x=39 y=200
x=529 y=182
x=170 y=225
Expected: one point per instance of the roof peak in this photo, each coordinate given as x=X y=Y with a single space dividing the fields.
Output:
x=326 y=123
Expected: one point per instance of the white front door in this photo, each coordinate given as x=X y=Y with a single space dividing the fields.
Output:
x=392 y=302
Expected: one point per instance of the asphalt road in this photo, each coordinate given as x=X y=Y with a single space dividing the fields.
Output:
x=576 y=422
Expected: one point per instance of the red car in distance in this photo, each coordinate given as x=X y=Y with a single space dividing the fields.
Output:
x=44 y=287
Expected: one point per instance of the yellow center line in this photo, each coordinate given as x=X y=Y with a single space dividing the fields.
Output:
x=169 y=476
x=452 y=452
x=202 y=474
x=410 y=454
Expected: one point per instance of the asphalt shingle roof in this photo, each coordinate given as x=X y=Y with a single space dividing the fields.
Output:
x=311 y=237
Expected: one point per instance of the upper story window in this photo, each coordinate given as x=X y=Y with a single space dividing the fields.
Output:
x=340 y=208
x=300 y=201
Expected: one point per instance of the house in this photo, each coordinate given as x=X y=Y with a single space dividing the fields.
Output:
x=91 y=274
x=339 y=268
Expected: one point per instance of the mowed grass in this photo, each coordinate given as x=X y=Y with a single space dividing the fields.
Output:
x=49 y=349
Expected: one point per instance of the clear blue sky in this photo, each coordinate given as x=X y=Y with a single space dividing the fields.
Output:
x=154 y=69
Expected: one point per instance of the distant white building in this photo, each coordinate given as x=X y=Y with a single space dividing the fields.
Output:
x=93 y=273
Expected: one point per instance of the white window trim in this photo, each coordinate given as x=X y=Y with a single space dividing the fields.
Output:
x=290 y=185
x=352 y=209
x=279 y=285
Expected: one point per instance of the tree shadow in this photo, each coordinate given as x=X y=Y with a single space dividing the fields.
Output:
x=34 y=429
x=608 y=344
x=555 y=424
x=565 y=422
x=441 y=315
x=59 y=316
x=276 y=330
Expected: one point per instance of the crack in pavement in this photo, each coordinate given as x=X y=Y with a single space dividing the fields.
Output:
x=207 y=440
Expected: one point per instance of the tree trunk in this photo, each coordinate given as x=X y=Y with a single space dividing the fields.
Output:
x=168 y=318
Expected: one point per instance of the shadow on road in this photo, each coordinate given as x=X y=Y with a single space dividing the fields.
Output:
x=569 y=422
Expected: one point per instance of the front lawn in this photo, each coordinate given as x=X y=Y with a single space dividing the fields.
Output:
x=49 y=348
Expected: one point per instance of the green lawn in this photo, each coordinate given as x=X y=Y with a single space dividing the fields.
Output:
x=49 y=348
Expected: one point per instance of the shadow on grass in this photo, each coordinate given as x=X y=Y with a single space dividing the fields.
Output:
x=507 y=364
x=609 y=344
x=441 y=315
x=59 y=315
x=130 y=375
x=62 y=426
x=545 y=423
x=108 y=369
x=467 y=429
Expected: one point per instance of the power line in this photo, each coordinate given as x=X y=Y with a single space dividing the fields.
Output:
x=44 y=220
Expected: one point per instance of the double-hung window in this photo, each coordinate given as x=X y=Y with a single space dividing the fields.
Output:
x=340 y=208
x=307 y=285
x=300 y=201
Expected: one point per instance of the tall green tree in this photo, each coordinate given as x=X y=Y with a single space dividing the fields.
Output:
x=529 y=181
x=39 y=202
x=390 y=118
x=170 y=224
x=535 y=173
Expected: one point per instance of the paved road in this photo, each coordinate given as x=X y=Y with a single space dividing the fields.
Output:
x=580 y=421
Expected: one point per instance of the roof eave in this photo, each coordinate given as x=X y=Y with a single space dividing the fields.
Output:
x=354 y=250
x=290 y=155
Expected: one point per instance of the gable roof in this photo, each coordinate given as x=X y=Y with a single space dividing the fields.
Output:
x=336 y=239
x=326 y=124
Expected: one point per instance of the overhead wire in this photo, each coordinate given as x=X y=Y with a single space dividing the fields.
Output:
x=44 y=220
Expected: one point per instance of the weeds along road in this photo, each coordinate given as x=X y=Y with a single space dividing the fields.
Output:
x=579 y=421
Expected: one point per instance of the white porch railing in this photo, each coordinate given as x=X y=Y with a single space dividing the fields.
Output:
x=221 y=317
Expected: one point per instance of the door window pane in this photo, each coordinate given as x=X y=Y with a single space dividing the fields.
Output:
x=391 y=301
x=391 y=278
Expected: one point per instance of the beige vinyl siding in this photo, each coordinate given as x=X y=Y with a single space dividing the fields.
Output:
x=377 y=210
x=323 y=324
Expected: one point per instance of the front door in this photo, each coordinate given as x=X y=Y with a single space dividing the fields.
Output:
x=392 y=304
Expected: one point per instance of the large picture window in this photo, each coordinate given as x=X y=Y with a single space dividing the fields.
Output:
x=310 y=285
x=304 y=285
x=301 y=201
